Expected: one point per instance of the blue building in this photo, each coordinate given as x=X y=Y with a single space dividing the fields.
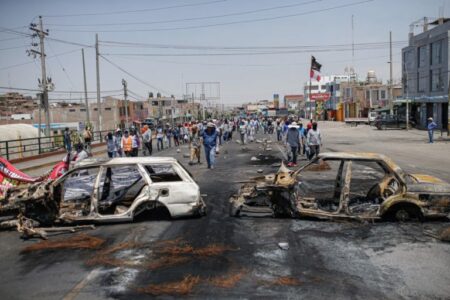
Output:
x=425 y=72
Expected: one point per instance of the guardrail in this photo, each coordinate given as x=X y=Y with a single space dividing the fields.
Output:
x=33 y=146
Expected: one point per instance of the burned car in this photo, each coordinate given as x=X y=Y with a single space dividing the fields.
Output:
x=339 y=185
x=109 y=191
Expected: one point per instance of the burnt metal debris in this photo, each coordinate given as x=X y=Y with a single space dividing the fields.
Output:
x=114 y=191
x=342 y=185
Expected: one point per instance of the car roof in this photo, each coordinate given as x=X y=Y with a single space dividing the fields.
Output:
x=140 y=160
x=362 y=156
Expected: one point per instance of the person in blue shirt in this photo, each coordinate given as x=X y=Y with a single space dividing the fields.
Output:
x=431 y=127
x=209 y=143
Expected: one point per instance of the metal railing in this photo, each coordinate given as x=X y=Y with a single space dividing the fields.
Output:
x=21 y=148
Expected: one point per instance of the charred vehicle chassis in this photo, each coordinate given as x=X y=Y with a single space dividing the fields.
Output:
x=363 y=186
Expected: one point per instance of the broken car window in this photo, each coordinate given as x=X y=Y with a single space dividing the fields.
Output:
x=366 y=182
x=162 y=173
x=79 y=185
x=119 y=185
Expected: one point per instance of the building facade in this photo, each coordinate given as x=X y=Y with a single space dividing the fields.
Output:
x=425 y=72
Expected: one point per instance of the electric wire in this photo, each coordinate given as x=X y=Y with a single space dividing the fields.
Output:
x=227 y=23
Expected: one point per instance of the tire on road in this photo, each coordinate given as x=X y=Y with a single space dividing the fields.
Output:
x=404 y=212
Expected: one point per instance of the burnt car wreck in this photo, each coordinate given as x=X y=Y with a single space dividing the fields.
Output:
x=340 y=185
x=117 y=190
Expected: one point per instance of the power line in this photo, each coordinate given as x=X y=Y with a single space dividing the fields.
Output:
x=196 y=47
x=13 y=31
x=30 y=62
x=136 y=11
x=70 y=43
x=62 y=67
x=227 y=23
x=11 y=48
x=133 y=76
x=56 y=92
x=14 y=38
x=191 y=19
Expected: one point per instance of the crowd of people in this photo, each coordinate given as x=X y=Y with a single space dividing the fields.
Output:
x=207 y=136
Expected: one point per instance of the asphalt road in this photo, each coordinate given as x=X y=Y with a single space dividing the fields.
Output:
x=221 y=257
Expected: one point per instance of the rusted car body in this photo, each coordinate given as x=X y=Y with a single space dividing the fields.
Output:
x=113 y=191
x=341 y=185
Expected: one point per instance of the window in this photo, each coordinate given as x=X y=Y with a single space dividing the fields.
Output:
x=82 y=109
x=95 y=109
x=314 y=87
x=364 y=186
x=80 y=184
x=107 y=108
x=162 y=173
x=383 y=94
x=72 y=110
x=323 y=182
x=422 y=79
x=422 y=55
x=119 y=187
x=367 y=94
x=436 y=83
x=436 y=53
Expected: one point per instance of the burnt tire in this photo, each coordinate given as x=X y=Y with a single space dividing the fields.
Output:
x=405 y=213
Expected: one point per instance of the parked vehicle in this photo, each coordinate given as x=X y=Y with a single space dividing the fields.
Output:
x=340 y=185
x=384 y=122
x=356 y=121
x=372 y=117
x=110 y=191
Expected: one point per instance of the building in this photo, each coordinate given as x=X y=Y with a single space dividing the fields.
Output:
x=294 y=103
x=17 y=105
x=333 y=106
x=425 y=72
x=314 y=104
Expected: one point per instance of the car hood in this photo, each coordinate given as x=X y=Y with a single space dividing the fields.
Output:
x=423 y=178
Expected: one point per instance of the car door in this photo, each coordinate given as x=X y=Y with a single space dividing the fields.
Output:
x=172 y=184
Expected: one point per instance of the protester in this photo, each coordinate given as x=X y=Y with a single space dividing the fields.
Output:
x=119 y=142
x=67 y=140
x=147 y=141
x=209 y=142
x=314 y=141
x=301 y=147
x=87 y=136
x=431 y=127
x=159 y=138
x=194 y=145
x=111 y=145
x=126 y=144
x=135 y=143
x=243 y=131
x=293 y=140
x=168 y=137
x=82 y=153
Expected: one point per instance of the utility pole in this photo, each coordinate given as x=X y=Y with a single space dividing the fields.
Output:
x=99 y=104
x=88 y=120
x=391 y=96
x=125 y=95
x=203 y=100
x=44 y=83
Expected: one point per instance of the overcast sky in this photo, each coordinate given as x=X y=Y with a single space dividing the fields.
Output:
x=215 y=24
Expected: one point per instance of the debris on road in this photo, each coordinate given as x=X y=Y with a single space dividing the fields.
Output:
x=229 y=280
x=283 y=246
x=286 y=281
x=80 y=241
x=177 y=288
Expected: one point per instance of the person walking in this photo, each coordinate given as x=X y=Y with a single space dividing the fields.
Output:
x=431 y=127
x=194 y=146
x=119 y=142
x=147 y=140
x=301 y=147
x=87 y=136
x=126 y=143
x=67 y=141
x=159 y=138
x=111 y=145
x=314 y=141
x=292 y=141
x=243 y=131
x=209 y=143
x=135 y=143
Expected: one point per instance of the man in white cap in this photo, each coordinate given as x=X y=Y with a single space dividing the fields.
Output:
x=293 y=140
x=431 y=127
x=209 y=143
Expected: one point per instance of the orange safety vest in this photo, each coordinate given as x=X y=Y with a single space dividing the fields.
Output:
x=127 y=143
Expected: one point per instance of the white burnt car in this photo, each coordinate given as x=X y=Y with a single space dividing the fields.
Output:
x=113 y=191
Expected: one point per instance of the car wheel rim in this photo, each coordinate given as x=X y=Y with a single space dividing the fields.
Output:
x=402 y=215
